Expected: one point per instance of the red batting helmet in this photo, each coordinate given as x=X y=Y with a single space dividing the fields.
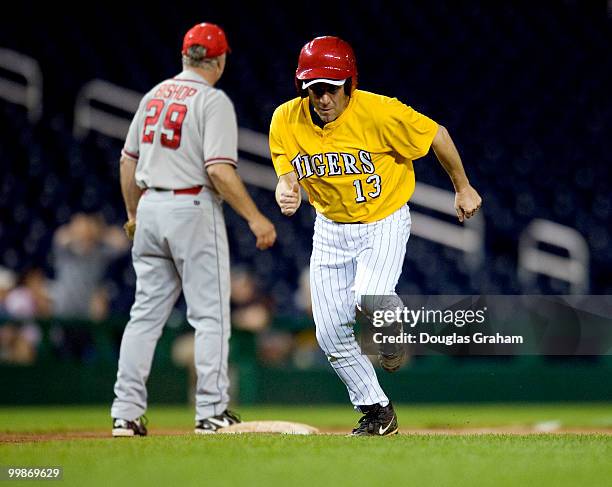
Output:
x=327 y=57
x=210 y=36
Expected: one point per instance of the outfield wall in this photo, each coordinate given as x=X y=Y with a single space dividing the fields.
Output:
x=58 y=378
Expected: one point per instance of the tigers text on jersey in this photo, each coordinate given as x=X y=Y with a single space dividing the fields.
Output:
x=182 y=125
x=357 y=168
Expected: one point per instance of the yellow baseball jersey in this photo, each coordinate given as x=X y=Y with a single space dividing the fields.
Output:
x=358 y=168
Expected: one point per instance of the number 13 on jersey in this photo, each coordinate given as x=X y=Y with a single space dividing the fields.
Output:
x=374 y=180
x=171 y=126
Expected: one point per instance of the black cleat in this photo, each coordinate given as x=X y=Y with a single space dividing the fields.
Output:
x=125 y=427
x=377 y=421
x=215 y=423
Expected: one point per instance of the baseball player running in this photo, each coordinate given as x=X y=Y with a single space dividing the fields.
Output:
x=177 y=165
x=352 y=152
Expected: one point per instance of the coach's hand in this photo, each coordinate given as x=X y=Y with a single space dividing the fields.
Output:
x=289 y=201
x=130 y=228
x=264 y=231
x=467 y=203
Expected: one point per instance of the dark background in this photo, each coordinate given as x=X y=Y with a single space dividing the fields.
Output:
x=523 y=87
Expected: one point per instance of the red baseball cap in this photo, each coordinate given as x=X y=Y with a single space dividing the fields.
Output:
x=208 y=35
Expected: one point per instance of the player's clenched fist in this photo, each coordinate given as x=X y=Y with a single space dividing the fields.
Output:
x=264 y=231
x=289 y=200
x=467 y=203
x=288 y=194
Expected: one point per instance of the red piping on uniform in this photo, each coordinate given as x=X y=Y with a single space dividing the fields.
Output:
x=227 y=159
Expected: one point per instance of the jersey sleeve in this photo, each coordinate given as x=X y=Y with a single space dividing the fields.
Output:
x=131 y=148
x=220 y=131
x=409 y=132
x=277 y=151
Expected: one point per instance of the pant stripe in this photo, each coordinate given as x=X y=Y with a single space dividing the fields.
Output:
x=222 y=318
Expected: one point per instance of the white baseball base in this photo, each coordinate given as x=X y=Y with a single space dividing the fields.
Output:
x=282 y=427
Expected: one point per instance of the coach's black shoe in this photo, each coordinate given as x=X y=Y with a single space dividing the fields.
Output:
x=215 y=423
x=124 y=427
x=377 y=421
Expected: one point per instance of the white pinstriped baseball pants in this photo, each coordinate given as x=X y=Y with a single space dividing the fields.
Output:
x=350 y=261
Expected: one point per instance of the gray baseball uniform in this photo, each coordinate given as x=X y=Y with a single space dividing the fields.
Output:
x=182 y=125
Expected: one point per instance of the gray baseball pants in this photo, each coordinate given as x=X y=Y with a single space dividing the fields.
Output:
x=180 y=242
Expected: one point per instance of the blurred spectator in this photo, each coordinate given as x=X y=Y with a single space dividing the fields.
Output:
x=251 y=310
x=82 y=250
x=20 y=335
x=302 y=297
x=275 y=347
x=7 y=282
x=30 y=299
x=18 y=343
x=307 y=352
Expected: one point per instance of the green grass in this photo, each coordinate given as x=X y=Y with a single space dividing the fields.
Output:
x=271 y=460
x=325 y=460
x=92 y=418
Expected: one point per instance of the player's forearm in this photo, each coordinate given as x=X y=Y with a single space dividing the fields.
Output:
x=130 y=191
x=231 y=188
x=449 y=158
